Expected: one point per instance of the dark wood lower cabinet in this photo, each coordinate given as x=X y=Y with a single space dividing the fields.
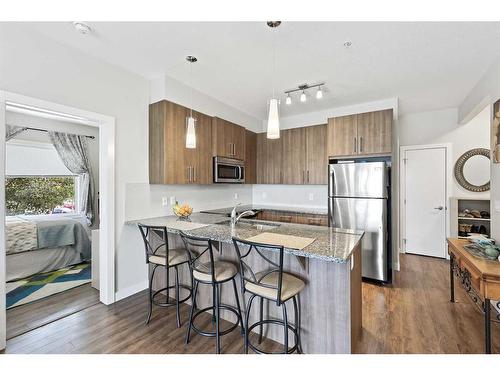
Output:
x=293 y=217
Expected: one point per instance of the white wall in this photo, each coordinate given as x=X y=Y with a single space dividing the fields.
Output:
x=442 y=127
x=145 y=200
x=486 y=91
x=170 y=89
x=292 y=196
x=33 y=65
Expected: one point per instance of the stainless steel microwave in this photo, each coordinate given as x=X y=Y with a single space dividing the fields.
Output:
x=228 y=171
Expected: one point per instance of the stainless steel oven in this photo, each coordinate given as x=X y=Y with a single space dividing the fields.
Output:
x=227 y=170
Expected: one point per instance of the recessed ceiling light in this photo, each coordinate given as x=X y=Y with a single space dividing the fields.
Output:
x=82 y=28
x=347 y=44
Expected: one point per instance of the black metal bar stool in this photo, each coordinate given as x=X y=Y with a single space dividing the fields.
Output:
x=270 y=284
x=214 y=273
x=157 y=253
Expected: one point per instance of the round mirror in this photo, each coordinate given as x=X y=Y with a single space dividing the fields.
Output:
x=472 y=170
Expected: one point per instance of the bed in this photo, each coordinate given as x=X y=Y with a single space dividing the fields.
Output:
x=44 y=243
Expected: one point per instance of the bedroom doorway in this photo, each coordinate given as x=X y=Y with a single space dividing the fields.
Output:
x=57 y=179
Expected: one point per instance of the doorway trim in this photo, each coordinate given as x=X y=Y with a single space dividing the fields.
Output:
x=402 y=187
x=106 y=125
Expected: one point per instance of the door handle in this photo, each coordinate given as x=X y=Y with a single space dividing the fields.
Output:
x=355 y=145
x=360 y=144
x=440 y=208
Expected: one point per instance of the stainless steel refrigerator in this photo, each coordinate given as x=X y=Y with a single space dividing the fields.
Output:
x=359 y=198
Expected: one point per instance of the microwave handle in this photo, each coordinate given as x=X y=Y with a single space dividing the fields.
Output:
x=240 y=177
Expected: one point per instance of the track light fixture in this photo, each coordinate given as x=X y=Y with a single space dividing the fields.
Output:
x=303 y=95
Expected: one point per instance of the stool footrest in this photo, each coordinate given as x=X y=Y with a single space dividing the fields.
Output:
x=276 y=322
x=213 y=333
x=164 y=304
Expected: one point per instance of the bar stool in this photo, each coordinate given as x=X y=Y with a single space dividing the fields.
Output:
x=157 y=253
x=214 y=273
x=271 y=284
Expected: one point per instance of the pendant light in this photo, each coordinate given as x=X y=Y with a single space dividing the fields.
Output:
x=190 y=120
x=273 y=119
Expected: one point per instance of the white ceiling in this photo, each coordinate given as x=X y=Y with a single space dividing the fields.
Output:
x=427 y=65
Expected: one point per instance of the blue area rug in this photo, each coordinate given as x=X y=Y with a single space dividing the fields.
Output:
x=46 y=284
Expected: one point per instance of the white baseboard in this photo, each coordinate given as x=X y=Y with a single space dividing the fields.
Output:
x=131 y=290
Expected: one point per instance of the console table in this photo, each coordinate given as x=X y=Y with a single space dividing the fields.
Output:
x=480 y=279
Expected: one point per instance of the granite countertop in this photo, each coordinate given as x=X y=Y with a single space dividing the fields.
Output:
x=260 y=207
x=332 y=244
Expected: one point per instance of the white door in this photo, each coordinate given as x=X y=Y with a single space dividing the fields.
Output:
x=425 y=201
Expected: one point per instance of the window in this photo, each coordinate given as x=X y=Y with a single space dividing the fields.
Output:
x=40 y=195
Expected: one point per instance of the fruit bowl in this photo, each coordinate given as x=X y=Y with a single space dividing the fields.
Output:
x=182 y=212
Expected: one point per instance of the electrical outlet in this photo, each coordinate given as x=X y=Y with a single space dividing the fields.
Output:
x=164 y=201
x=235 y=195
x=311 y=196
x=172 y=201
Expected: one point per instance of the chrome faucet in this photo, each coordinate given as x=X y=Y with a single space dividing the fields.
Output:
x=235 y=218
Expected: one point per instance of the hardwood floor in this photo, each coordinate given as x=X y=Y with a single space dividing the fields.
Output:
x=415 y=315
x=24 y=318
x=412 y=316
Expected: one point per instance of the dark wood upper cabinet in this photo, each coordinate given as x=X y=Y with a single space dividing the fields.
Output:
x=362 y=134
x=316 y=157
x=250 y=157
x=298 y=157
x=294 y=156
x=170 y=162
x=228 y=139
x=374 y=132
x=342 y=136
x=269 y=160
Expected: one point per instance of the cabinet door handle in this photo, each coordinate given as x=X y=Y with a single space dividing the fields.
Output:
x=194 y=174
x=303 y=176
x=189 y=174
x=308 y=176
x=355 y=144
x=360 y=144
x=234 y=149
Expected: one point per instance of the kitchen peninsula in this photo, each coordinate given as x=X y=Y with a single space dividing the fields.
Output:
x=331 y=267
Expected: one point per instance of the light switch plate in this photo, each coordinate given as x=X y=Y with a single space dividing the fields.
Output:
x=264 y=195
x=235 y=195
x=172 y=200
x=311 y=196
x=164 y=201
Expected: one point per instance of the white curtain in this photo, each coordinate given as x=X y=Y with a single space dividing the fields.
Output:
x=11 y=131
x=73 y=150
